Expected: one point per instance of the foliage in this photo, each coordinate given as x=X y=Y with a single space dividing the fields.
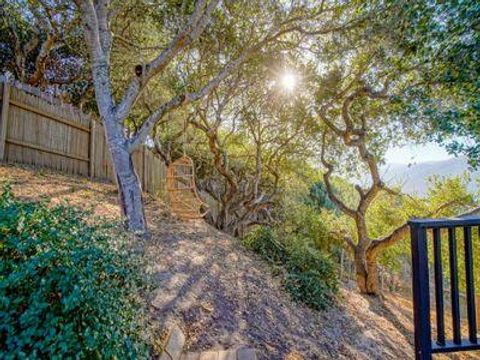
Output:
x=309 y=276
x=44 y=48
x=389 y=212
x=263 y=241
x=318 y=197
x=303 y=223
x=308 y=233
x=67 y=290
x=442 y=40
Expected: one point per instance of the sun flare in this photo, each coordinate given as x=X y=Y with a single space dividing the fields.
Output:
x=288 y=81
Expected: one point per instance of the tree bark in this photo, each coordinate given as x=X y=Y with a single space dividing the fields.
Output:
x=129 y=191
x=372 y=275
x=366 y=271
x=128 y=182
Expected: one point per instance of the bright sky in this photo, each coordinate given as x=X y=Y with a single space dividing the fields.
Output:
x=416 y=153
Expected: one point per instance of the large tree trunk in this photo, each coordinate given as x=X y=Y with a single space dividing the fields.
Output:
x=129 y=188
x=130 y=192
x=367 y=272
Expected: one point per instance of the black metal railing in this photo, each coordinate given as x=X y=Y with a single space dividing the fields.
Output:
x=425 y=346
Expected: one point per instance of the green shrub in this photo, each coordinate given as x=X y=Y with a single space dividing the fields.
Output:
x=310 y=275
x=263 y=241
x=315 y=227
x=318 y=198
x=67 y=290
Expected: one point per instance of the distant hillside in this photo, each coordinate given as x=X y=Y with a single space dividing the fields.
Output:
x=414 y=178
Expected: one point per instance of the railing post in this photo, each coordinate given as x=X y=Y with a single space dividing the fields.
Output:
x=4 y=119
x=421 y=292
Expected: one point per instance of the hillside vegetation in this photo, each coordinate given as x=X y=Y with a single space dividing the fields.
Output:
x=223 y=295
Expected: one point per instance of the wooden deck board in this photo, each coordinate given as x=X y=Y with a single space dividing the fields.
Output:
x=227 y=355
x=190 y=356
x=209 y=355
x=240 y=354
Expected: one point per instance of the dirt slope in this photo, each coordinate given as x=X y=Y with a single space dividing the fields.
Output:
x=224 y=296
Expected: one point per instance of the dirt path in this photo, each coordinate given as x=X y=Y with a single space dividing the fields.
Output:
x=224 y=296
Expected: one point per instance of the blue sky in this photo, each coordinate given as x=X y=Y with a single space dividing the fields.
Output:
x=416 y=153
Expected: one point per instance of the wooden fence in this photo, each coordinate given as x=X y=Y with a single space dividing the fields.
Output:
x=44 y=132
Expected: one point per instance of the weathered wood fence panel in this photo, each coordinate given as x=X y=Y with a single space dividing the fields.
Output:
x=102 y=162
x=36 y=131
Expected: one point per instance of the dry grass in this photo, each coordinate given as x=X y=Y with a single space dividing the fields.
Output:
x=79 y=191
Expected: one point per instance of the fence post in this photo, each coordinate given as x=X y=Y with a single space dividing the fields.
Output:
x=144 y=168
x=4 y=119
x=91 y=151
x=421 y=292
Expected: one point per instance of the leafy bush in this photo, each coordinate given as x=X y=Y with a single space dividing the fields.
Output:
x=263 y=241
x=66 y=289
x=318 y=198
x=310 y=275
x=305 y=224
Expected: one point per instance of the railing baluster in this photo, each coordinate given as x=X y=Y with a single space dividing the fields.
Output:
x=437 y=253
x=455 y=299
x=471 y=312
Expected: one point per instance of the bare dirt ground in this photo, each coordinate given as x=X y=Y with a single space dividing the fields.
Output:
x=224 y=296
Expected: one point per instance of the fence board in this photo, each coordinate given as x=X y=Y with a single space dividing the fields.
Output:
x=4 y=119
x=40 y=131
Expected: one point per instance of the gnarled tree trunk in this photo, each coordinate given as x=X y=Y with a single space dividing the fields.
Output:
x=353 y=134
x=366 y=271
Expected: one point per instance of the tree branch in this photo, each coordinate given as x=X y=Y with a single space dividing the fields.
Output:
x=328 y=185
x=192 y=31
x=183 y=99
x=400 y=232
